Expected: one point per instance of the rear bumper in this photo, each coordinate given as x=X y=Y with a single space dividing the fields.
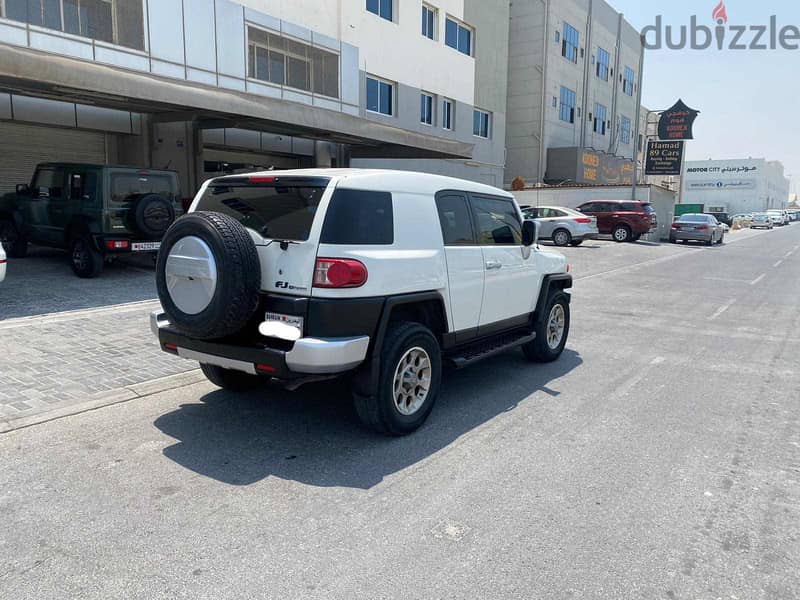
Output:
x=585 y=236
x=690 y=236
x=308 y=356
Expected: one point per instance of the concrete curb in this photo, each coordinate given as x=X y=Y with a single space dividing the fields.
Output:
x=103 y=399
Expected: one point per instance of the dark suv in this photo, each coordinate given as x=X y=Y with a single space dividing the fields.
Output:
x=625 y=221
x=95 y=212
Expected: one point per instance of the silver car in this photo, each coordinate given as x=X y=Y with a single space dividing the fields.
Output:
x=761 y=220
x=564 y=226
x=697 y=228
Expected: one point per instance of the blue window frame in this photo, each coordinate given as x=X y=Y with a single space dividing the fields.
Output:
x=428 y=22
x=380 y=96
x=570 y=43
x=602 y=64
x=458 y=37
x=426 y=109
x=625 y=130
x=599 y=118
x=567 y=110
x=447 y=114
x=480 y=123
x=628 y=81
x=382 y=8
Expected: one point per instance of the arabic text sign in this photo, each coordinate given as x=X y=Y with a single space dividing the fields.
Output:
x=676 y=123
x=721 y=186
x=722 y=170
x=664 y=158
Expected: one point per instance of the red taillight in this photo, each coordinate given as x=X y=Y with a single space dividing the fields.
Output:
x=701 y=227
x=582 y=220
x=675 y=226
x=3 y=261
x=171 y=348
x=117 y=244
x=261 y=179
x=265 y=368
x=339 y=273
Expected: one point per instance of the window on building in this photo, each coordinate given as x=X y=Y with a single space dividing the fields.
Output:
x=294 y=64
x=641 y=142
x=601 y=68
x=382 y=8
x=447 y=114
x=570 y=43
x=380 y=96
x=628 y=81
x=599 y=118
x=625 y=130
x=114 y=21
x=426 y=108
x=458 y=36
x=567 y=110
x=429 y=20
x=480 y=123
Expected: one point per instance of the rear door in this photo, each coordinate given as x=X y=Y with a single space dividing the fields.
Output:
x=600 y=211
x=510 y=270
x=546 y=222
x=465 y=265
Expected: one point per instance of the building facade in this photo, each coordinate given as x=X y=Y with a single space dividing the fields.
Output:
x=736 y=185
x=574 y=83
x=214 y=86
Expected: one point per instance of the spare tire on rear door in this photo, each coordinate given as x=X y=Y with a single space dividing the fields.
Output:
x=152 y=215
x=208 y=275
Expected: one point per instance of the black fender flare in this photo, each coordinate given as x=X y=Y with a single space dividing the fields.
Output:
x=550 y=283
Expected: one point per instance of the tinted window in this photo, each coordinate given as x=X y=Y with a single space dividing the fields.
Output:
x=629 y=207
x=497 y=222
x=280 y=213
x=49 y=183
x=648 y=209
x=127 y=187
x=359 y=217
x=455 y=220
x=693 y=219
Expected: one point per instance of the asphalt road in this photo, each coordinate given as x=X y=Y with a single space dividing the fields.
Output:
x=659 y=458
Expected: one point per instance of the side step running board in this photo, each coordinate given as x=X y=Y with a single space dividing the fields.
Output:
x=467 y=355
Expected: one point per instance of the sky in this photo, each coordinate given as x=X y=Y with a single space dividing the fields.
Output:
x=748 y=99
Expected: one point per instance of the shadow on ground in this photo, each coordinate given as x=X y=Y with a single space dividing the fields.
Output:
x=44 y=283
x=312 y=435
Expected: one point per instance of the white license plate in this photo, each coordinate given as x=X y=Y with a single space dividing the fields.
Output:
x=292 y=320
x=145 y=246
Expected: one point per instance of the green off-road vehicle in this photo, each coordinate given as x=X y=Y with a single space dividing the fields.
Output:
x=94 y=212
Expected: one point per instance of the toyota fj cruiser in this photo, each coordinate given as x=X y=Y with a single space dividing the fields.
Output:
x=311 y=274
x=95 y=212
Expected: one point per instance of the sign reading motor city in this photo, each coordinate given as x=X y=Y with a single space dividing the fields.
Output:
x=585 y=166
x=664 y=158
x=676 y=123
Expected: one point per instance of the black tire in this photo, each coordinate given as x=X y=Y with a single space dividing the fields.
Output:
x=86 y=261
x=236 y=295
x=380 y=412
x=721 y=239
x=152 y=216
x=539 y=350
x=710 y=241
x=233 y=381
x=575 y=243
x=562 y=237
x=15 y=245
x=621 y=234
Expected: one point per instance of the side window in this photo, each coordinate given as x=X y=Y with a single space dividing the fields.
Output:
x=359 y=217
x=49 y=184
x=497 y=222
x=83 y=186
x=557 y=213
x=629 y=207
x=455 y=220
x=589 y=208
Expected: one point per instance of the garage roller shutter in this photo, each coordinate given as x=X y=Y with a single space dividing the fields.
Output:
x=22 y=147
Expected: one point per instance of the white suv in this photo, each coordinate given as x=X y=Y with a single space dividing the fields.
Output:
x=305 y=275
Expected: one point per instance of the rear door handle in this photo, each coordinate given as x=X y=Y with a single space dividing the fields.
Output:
x=492 y=265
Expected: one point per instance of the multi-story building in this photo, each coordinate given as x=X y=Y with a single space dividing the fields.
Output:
x=736 y=185
x=212 y=86
x=574 y=93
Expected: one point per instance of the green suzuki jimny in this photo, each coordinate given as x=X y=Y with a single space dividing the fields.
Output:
x=94 y=212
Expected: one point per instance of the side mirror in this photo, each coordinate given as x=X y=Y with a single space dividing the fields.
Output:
x=23 y=189
x=530 y=233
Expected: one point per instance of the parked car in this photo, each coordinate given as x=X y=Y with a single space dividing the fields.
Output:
x=95 y=212
x=722 y=217
x=563 y=226
x=312 y=274
x=779 y=217
x=744 y=219
x=697 y=228
x=626 y=221
x=3 y=261
x=794 y=215
x=761 y=221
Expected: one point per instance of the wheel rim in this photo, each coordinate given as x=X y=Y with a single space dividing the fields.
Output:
x=621 y=234
x=80 y=257
x=556 y=323
x=561 y=238
x=412 y=381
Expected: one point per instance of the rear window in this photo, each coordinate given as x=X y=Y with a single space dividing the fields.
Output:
x=275 y=212
x=693 y=219
x=648 y=209
x=127 y=187
x=359 y=217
